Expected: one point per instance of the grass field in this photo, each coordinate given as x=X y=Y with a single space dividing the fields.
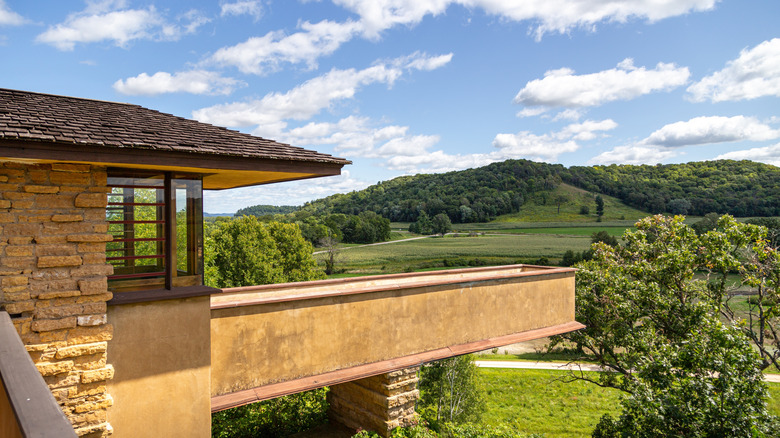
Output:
x=539 y=402
x=459 y=251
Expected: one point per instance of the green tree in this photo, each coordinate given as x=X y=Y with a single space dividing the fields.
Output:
x=599 y=206
x=441 y=224
x=246 y=252
x=423 y=225
x=653 y=309
x=450 y=391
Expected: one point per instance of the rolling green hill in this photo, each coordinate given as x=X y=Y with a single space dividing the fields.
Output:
x=521 y=190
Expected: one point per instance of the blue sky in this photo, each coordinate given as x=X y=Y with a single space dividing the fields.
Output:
x=416 y=86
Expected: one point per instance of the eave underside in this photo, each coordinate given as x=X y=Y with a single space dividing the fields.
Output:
x=219 y=171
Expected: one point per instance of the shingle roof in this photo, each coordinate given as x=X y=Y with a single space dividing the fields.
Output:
x=36 y=117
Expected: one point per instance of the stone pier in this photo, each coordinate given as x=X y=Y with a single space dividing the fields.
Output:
x=53 y=269
x=379 y=403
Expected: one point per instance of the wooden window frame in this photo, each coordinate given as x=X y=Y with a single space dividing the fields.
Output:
x=125 y=292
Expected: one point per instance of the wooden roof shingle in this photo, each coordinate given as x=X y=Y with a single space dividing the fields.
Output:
x=45 y=118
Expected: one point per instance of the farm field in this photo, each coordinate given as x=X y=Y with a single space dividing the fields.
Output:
x=452 y=251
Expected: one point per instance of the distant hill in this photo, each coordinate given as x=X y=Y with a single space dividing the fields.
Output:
x=740 y=188
x=473 y=195
x=263 y=210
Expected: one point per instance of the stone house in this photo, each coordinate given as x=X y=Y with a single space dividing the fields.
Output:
x=101 y=282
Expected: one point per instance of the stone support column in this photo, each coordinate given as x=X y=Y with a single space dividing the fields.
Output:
x=53 y=269
x=380 y=403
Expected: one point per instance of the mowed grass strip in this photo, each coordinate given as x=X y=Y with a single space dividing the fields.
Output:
x=538 y=401
x=438 y=248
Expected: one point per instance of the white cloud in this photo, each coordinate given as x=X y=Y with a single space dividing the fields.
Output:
x=303 y=101
x=549 y=15
x=98 y=22
x=413 y=154
x=253 y=8
x=9 y=17
x=714 y=129
x=194 y=82
x=768 y=155
x=259 y=55
x=755 y=73
x=667 y=142
x=635 y=154
x=562 y=88
x=287 y=193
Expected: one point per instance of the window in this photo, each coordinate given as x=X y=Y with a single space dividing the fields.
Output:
x=156 y=220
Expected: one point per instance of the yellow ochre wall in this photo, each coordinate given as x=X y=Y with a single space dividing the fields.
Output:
x=161 y=381
x=256 y=345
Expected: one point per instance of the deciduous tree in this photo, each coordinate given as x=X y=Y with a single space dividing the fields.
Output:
x=654 y=309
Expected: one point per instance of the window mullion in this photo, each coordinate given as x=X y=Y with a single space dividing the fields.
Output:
x=170 y=220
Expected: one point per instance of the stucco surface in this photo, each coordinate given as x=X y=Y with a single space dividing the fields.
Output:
x=279 y=341
x=160 y=353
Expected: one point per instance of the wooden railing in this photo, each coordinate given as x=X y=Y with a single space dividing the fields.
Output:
x=27 y=406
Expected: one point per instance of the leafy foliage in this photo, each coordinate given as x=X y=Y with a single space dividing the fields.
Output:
x=245 y=251
x=279 y=417
x=450 y=391
x=739 y=188
x=654 y=320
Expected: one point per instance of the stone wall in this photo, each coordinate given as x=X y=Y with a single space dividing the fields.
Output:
x=380 y=403
x=53 y=269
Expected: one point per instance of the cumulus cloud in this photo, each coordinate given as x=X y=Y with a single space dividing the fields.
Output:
x=194 y=82
x=252 y=8
x=768 y=155
x=99 y=22
x=260 y=55
x=713 y=129
x=305 y=100
x=635 y=154
x=559 y=16
x=668 y=141
x=755 y=73
x=563 y=88
x=9 y=17
x=414 y=154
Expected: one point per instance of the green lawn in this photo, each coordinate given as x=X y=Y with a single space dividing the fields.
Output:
x=538 y=402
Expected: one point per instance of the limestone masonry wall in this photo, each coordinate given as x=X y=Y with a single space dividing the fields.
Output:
x=380 y=403
x=53 y=269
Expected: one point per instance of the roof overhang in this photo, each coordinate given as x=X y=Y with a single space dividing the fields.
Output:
x=218 y=171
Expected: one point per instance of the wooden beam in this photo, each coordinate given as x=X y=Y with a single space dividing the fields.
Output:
x=37 y=412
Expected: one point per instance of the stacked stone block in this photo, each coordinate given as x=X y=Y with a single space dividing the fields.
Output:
x=379 y=403
x=53 y=269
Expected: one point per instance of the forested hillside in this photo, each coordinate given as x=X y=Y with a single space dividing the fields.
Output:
x=473 y=195
x=740 y=188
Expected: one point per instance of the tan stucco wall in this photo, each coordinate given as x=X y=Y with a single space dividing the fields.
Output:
x=268 y=343
x=160 y=353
